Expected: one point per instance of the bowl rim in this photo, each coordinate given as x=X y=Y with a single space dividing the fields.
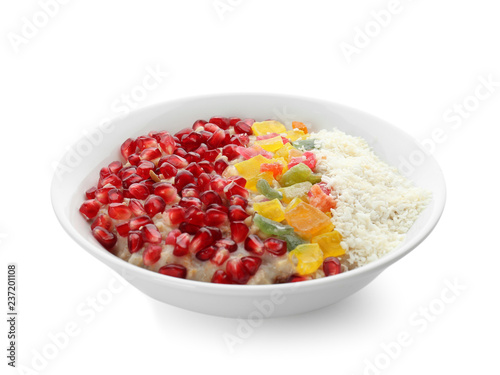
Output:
x=375 y=266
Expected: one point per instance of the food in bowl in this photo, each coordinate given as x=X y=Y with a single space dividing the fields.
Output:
x=236 y=201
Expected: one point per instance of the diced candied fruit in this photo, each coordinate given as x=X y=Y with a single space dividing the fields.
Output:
x=299 y=125
x=251 y=167
x=266 y=190
x=296 y=174
x=264 y=127
x=271 y=227
x=252 y=183
x=278 y=166
x=309 y=258
x=284 y=152
x=320 y=199
x=295 y=135
x=271 y=144
x=292 y=241
x=293 y=203
x=306 y=144
x=330 y=244
x=270 y=209
x=308 y=221
x=299 y=190
x=308 y=158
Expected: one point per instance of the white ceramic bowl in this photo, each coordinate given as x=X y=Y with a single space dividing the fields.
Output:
x=389 y=143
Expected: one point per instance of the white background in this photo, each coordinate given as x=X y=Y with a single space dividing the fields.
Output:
x=65 y=79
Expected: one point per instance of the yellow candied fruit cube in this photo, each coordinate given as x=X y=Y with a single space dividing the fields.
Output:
x=309 y=258
x=272 y=210
x=284 y=152
x=270 y=144
x=294 y=153
x=299 y=190
x=295 y=134
x=265 y=127
x=308 y=221
x=251 y=183
x=251 y=167
x=330 y=244
x=293 y=203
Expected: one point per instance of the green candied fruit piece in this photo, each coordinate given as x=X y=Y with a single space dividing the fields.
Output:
x=292 y=241
x=272 y=227
x=296 y=174
x=315 y=178
x=266 y=190
x=306 y=144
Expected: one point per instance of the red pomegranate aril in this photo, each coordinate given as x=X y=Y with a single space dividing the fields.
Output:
x=132 y=179
x=220 y=277
x=177 y=161
x=206 y=166
x=243 y=139
x=172 y=237
x=146 y=142
x=157 y=135
x=234 y=120
x=167 y=191
x=183 y=178
x=174 y=270
x=144 y=167
x=102 y=194
x=128 y=148
x=134 y=241
x=137 y=223
x=104 y=172
x=102 y=221
x=90 y=193
x=238 y=200
x=154 y=204
x=190 y=190
x=151 y=153
x=221 y=122
x=227 y=244
x=220 y=257
x=191 y=141
x=192 y=157
x=216 y=232
x=331 y=266
x=239 y=231
x=168 y=170
x=181 y=246
x=115 y=167
x=275 y=246
x=218 y=184
x=136 y=207
x=227 y=138
x=176 y=215
x=119 y=211
x=104 y=237
x=206 y=253
x=123 y=229
x=237 y=271
x=234 y=189
x=215 y=217
x=237 y=213
x=238 y=180
x=151 y=254
x=212 y=128
x=151 y=234
x=126 y=194
x=204 y=181
x=219 y=207
x=180 y=151
x=251 y=264
x=167 y=144
x=209 y=197
x=202 y=239
x=112 y=179
x=199 y=124
x=127 y=171
x=216 y=139
x=183 y=132
x=195 y=169
x=296 y=278
x=134 y=159
x=220 y=166
x=253 y=244
x=194 y=215
x=187 y=202
x=189 y=228
x=211 y=155
x=203 y=147
x=243 y=128
x=139 y=190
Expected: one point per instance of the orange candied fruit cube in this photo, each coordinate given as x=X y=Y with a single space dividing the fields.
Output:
x=308 y=221
x=299 y=125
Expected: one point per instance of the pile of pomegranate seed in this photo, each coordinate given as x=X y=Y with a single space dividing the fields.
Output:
x=178 y=179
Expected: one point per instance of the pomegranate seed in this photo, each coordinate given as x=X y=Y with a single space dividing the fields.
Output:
x=227 y=244
x=167 y=144
x=210 y=197
x=144 y=167
x=220 y=166
x=221 y=122
x=168 y=170
x=102 y=195
x=190 y=190
x=191 y=141
x=295 y=278
x=237 y=213
x=115 y=167
x=127 y=171
x=151 y=254
x=212 y=128
x=195 y=215
x=112 y=179
x=220 y=257
x=187 y=202
x=176 y=215
x=104 y=172
x=123 y=229
x=146 y=142
x=90 y=193
x=202 y=239
x=181 y=247
x=241 y=139
x=230 y=152
x=238 y=180
x=172 y=236
x=134 y=159
x=136 y=207
x=234 y=120
x=238 y=200
x=167 y=191
x=195 y=169
x=236 y=271
x=102 y=221
x=138 y=222
x=132 y=179
x=174 y=270
x=203 y=147
x=180 y=151
x=204 y=181
x=218 y=184
x=151 y=153
x=220 y=277
x=216 y=139
x=218 y=207
x=239 y=231
x=134 y=242
x=183 y=132
x=243 y=128
x=215 y=217
x=139 y=190
x=183 y=178
x=192 y=157
x=331 y=266
x=206 y=166
x=199 y=124
x=119 y=211
x=216 y=233
x=275 y=246
x=227 y=138
x=177 y=161
x=126 y=194
x=253 y=244
x=211 y=155
x=157 y=135
x=128 y=148
x=104 y=237
x=151 y=234
x=206 y=253
x=234 y=189
x=189 y=228
x=251 y=264
x=154 y=205
x=249 y=121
